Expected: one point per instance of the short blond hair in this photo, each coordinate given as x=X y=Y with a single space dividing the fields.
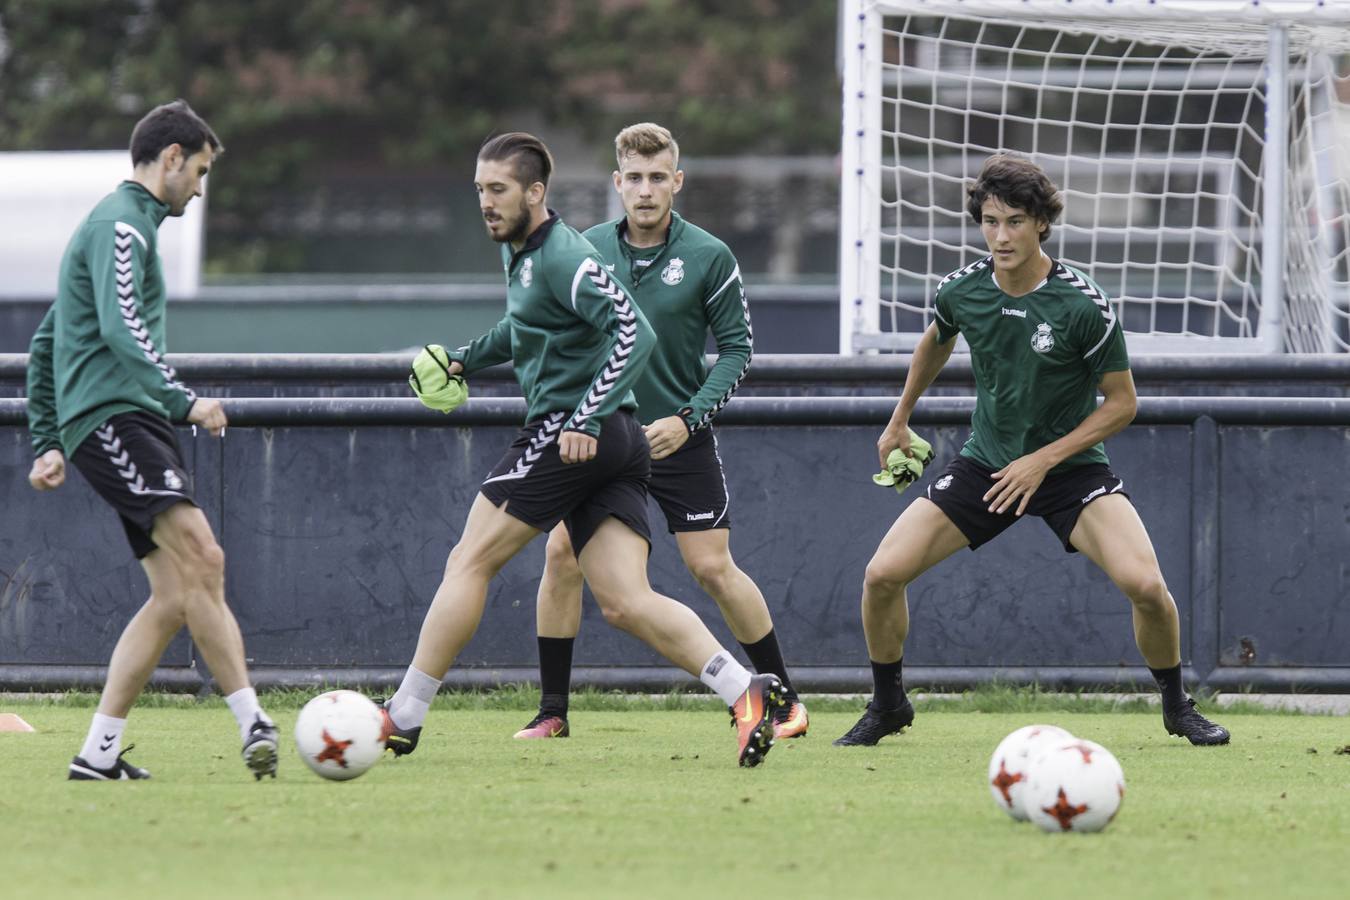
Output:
x=645 y=139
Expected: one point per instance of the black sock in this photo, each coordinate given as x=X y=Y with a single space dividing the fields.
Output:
x=888 y=690
x=555 y=674
x=1169 y=684
x=766 y=656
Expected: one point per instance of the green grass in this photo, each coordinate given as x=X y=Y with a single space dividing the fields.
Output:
x=645 y=801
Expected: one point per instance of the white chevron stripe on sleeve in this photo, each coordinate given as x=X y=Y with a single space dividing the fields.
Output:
x=706 y=419
x=123 y=261
x=624 y=342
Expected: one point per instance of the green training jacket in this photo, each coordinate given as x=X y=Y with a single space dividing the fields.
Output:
x=577 y=340
x=100 y=349
x=686 y=287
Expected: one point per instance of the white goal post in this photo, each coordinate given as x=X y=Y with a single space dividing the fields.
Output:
x=1202 y=148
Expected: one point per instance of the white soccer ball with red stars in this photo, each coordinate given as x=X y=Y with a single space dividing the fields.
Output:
x=340 y=734
x=1008 y=766
x=1074 y=785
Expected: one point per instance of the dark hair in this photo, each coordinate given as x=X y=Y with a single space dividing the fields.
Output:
x=1018 y=183
x=529 y=158
x=171 y=123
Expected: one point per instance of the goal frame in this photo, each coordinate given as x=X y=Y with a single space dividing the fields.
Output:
x=860 y=48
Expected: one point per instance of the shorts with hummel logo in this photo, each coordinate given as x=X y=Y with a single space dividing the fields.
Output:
x=959 y=492
x=689 y=486
x=541 y=490
x=133 y=461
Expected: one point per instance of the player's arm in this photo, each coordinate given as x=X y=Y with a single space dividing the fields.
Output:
x=1019 y=479
x=728 y=316
x=487 y=350
x=49 y=463
x=597 y=297
x=118 y=254
x=930 y=355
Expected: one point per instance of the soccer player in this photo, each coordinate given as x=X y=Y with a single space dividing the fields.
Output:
x=1043 y=341
x=579 y=344
x=100 y=392
x=686 y=282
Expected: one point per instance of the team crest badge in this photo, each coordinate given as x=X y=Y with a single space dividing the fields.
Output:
x=943 y=483
x=527 y=272
x=673 y=273
x=1042 y=341
x=172 y=481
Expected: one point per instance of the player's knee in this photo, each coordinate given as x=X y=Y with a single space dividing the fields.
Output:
x=168 y=608
x=1147 y=590
x=714 y=573
x=561 y=562
x=616 y=609
x=468 y=562
x=204 y=562
x=884 y=576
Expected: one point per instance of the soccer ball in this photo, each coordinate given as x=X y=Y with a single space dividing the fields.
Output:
x=339 y=734
x=1075 y=785
x=1008 y=766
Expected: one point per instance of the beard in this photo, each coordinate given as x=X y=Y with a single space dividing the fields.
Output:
x=519 y=227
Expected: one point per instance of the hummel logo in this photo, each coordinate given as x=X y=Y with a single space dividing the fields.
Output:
x=1020 y=313
x=110 y=738
x=699 y=517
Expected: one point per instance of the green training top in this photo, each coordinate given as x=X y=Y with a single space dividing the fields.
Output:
x=577 y=340
x=688 y=285
x=1037 y=358
x=99 y=350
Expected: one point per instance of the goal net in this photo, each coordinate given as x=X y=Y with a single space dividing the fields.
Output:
x=1202 y=148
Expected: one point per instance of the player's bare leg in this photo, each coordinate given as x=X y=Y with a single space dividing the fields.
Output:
x=1110 y=533
x=491 y=537
x=557 y=619
x=187 y=586
x=919 y=539
x=184 y=536
x=558 y=611
x=707 y=555
x=145 y=638
x=614 y=562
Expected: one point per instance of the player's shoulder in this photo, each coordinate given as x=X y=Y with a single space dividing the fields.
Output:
x=567 y=246
x=1078 y=289
x=121 y=212
x=965 y=277
x=604 y=234
x=694 y=237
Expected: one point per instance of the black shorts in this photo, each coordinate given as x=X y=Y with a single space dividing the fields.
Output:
x=959 y=492
x=690 y=487
x=542 y=490
x=133 y=461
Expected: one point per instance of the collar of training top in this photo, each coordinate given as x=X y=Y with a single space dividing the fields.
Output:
x=158 y=208
x=537 y=237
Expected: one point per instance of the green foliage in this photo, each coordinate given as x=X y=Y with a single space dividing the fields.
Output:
x=299 y=92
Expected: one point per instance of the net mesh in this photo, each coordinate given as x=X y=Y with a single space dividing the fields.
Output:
x=1154 y=132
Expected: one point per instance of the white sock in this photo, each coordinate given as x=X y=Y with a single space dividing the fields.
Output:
x=104 y=741
x=244 y=704
x=408 y=707
x=725 y=676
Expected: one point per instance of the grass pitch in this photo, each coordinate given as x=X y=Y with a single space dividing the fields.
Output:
x=647 y=802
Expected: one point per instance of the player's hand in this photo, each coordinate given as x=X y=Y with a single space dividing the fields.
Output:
x=576 y=447
x=895 y=435
x=208 y=413
x=666 y=435
x=1019 y=479
x=49 y=471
